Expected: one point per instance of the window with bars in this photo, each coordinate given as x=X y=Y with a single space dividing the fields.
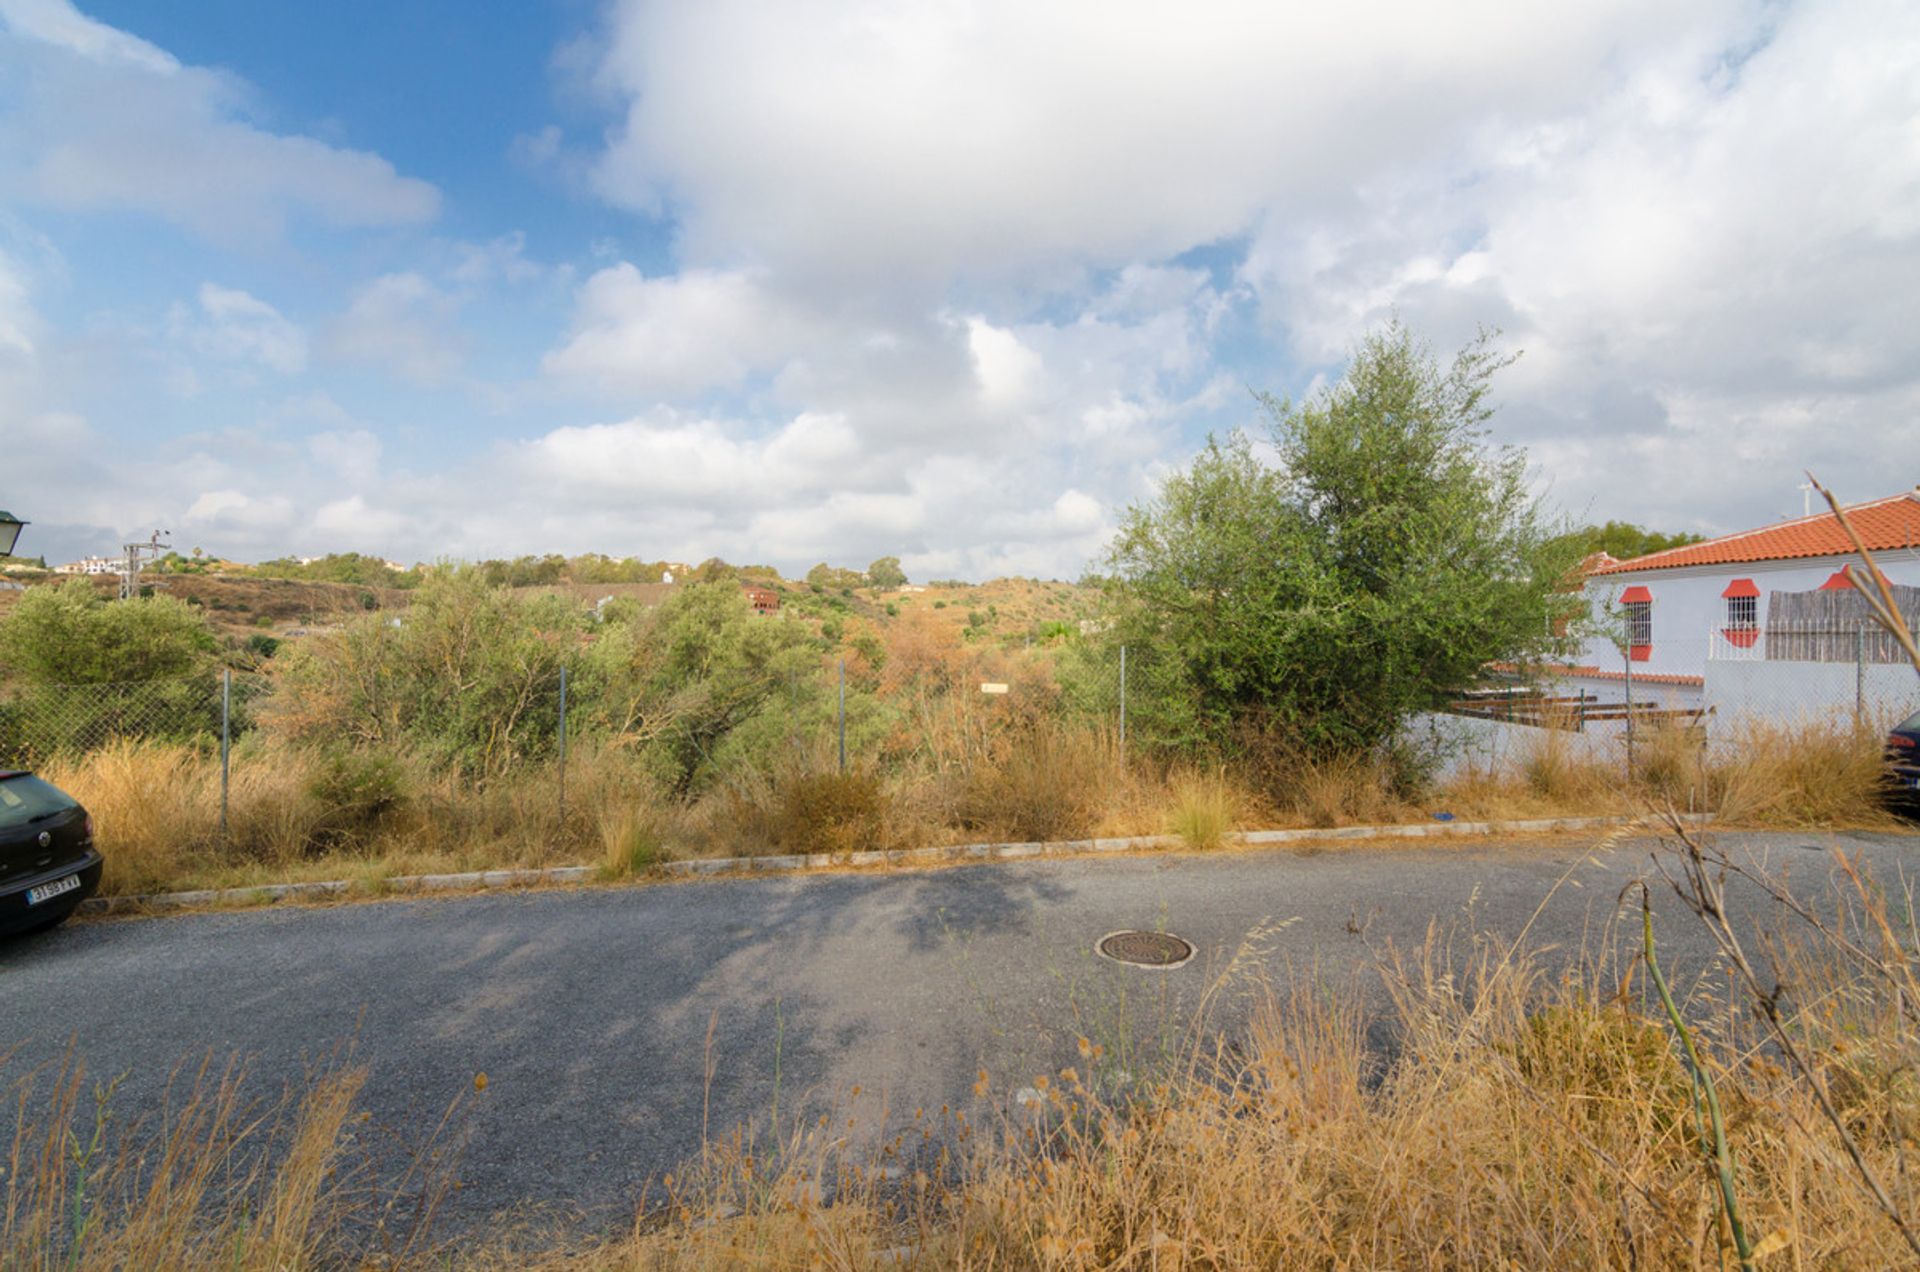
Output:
x=1743 y=613
x=1639 y=615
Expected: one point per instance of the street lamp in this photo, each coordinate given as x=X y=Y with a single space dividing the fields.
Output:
x=10 y=528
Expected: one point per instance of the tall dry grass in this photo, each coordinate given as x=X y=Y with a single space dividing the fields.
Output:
x=304 y=812
x=1822 y=771
x=1472 y=1106
x=216 y=1180
x=1518 y=1120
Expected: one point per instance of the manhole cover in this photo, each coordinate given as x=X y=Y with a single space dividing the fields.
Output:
x=1145 y=949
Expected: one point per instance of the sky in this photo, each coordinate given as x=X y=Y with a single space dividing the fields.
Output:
x=955 y=281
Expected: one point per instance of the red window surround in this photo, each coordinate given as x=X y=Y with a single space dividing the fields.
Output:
x=1637 y=601
x=1839 y=582
x=1743 y=614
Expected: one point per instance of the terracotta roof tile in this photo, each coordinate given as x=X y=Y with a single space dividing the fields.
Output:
x=1586 y=671
x=1893 y=522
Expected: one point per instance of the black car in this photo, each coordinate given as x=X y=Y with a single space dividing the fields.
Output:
x=1903 y=757
x=48 y=864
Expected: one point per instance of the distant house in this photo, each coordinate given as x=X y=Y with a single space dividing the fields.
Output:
x=666 y=576
x=90 y=565
x=1763 y=625
x=1776 y=594
x=763 y=599
x=1723 y=598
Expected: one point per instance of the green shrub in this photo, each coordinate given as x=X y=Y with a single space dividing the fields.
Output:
x=357 y=791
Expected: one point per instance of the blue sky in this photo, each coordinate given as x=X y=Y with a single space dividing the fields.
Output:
x=839 y=279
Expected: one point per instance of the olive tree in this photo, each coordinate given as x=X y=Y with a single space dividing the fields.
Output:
x=1375 y=554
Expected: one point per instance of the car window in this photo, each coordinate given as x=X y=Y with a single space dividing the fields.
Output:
x=25 y=797
x=1909 y=725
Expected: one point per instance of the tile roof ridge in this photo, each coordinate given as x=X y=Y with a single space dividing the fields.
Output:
x=1812 y=518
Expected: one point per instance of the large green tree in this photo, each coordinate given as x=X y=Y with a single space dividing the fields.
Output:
x=1376 y=553
x=1624 y=540
x=886 y=573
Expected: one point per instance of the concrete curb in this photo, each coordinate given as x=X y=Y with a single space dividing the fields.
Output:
x=483 y=879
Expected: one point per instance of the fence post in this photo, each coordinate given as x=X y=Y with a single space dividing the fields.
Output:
x=843 y=715
x=563 y=751
x=1859 y=676
x=226 y=739
x=1123 y=698
x=1627 y=662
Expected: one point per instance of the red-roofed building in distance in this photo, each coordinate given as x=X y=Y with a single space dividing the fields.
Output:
x=1761 y=625
x=763 y=599
x=1759 y=594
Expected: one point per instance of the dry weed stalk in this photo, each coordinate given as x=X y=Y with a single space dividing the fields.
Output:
x=1701 y=887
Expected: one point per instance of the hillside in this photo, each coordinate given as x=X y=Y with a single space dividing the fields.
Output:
x=238 y=606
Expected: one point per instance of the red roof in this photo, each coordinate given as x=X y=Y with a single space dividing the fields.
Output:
x=1586 y=671
x=1883 y=524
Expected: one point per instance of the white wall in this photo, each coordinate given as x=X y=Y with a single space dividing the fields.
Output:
x=1465 y=742
x=1786 y=692
x=1688 y=609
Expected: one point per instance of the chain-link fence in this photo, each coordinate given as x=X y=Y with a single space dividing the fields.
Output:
x=845 y=712
x=1723 y=691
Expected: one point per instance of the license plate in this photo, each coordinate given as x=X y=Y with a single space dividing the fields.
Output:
x=48 y=891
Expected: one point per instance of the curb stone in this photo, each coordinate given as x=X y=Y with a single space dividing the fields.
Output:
x=822 y=860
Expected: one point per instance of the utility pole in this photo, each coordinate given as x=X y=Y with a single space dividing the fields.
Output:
x=134 y=561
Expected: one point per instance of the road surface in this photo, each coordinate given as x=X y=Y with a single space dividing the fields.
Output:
x=589 y=1010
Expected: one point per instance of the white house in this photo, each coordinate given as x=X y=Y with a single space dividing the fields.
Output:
x=90 y=565
x=1778 y=594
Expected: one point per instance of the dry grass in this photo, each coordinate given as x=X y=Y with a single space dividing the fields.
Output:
x=297 y=813
x=1517 y=1119
x=1825 y=771
x=1521 y=1123
x=1045 y=784
x=1206 y=808
x=218 y=1180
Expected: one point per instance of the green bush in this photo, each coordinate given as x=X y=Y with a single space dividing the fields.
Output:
x=72 y=635
x=356 y=791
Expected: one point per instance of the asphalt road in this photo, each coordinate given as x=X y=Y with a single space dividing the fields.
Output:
x=589 y=1010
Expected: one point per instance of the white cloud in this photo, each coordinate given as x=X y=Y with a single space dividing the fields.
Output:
x=402 y=321
x=959 y=281
x=235 y=326
x=871 y=143
x=1702 y=222
x=229 y=511
x=673 y=336
x=1713 y=264
x=98 y=119
x=58 y=23
x=354 y=454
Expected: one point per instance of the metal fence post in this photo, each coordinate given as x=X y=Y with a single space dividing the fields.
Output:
x=1859 y=675
x=226 y=739
x=563 y=750
x=1627 y=662
x=1123 y=697
x=843 y=715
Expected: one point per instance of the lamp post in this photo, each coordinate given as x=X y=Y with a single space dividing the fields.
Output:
x=10 y=528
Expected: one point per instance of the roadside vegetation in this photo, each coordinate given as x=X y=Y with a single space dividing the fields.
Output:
x=1281 y=621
